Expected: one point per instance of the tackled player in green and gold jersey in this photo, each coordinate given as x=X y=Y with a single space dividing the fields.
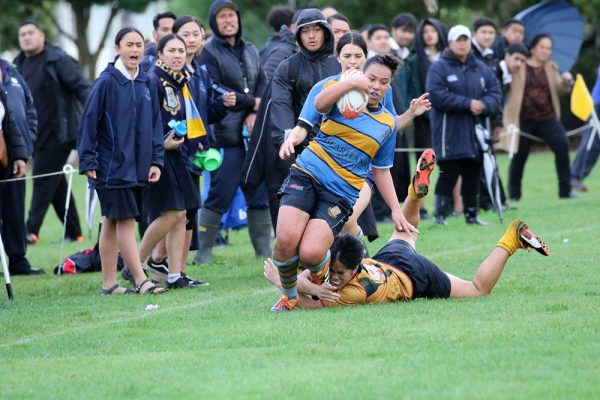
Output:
x=397 y=272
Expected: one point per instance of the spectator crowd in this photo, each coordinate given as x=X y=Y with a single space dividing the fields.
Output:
x=141 y=128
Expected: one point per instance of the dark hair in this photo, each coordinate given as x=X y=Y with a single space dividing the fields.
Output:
x=536 y=39
x=512 y=22
x=365 y=27
x=159 y=16
x=31 y=22
x=405 y=20
x=479 y=22
x=387 y=61
x=125 y=31
x=339 y=17
x=279 y=15
x=376 y=27
x=354 y=38
x=517 y=48
x=167 y=38
x=181 y=21
x=347 y=250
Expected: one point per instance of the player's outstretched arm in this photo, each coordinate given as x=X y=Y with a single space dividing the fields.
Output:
x=385 y=185
x=417 y=107
x=324 y=292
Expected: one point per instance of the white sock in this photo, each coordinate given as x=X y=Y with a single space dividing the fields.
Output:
x=173 y=277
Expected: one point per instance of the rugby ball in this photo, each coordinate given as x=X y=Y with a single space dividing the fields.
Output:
x=354 y=102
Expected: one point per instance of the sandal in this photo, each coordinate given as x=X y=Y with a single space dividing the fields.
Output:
x=128 y=276
x=113 y=291
x=154 y=289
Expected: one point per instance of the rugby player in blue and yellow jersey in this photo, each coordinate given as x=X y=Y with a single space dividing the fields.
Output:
x=397 y=272
x=317 y=196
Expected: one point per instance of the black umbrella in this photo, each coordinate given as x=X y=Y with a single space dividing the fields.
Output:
x=490 y=168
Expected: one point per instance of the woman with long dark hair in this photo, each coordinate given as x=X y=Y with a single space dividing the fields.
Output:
x=533 y=106
x=120 y=151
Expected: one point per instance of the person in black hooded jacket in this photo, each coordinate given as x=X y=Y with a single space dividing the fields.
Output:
x=282 y=44
x=290 y=86
x=233 y=63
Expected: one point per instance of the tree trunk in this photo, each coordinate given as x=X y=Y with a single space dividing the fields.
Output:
x=86 y=58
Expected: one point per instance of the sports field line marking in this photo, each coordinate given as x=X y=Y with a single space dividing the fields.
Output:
x=144 y=314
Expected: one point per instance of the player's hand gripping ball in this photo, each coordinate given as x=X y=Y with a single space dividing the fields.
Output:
x=354 y=102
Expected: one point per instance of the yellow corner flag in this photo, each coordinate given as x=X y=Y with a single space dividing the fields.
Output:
x=581 y=100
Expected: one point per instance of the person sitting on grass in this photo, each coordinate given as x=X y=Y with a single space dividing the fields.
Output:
x=397 y=272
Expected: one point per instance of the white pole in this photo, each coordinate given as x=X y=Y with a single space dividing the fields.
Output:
x=5 y=271
x=595 y=126
x=67 y=169
x=514 y=134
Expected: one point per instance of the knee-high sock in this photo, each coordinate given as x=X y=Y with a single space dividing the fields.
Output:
x=322 y=268
x=288 y=274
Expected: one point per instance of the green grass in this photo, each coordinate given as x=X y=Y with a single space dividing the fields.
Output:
x=536 y=336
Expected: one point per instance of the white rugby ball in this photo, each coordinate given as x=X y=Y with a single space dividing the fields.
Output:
x=354 y=102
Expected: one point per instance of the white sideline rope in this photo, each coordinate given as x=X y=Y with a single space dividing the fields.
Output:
x=67 y=169
x=72 y=171
x=570 y=133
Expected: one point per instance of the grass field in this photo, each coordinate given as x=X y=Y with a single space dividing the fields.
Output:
x=536 y=336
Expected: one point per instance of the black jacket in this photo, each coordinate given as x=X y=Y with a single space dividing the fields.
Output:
x=15 y=148
x=66 y=80
x=21 y=105
x=279 y=47
x=240 y=74
x=287 y=92
x=296 y=75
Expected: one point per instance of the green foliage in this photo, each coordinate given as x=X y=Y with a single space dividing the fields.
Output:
x=13 y=13
x=533 y=337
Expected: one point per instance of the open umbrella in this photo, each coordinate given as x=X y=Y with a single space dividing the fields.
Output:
x=563 y=22
x=490 y=168
x=91 y=202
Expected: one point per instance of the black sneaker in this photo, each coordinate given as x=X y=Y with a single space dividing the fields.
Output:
x=195 y=282
x=181 y=283
x=158 y=268
x=128 y=276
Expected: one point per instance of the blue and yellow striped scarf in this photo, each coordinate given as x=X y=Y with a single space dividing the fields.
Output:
x=180 y=79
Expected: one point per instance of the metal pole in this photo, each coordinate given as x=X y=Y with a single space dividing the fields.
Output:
x=67 y=169
x=9 y=291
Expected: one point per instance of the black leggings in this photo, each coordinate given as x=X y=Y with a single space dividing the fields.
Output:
x=554 y=135
x=468 y=168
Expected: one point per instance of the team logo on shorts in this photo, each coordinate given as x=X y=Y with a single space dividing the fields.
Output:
x=334 y=211
x=295 y=186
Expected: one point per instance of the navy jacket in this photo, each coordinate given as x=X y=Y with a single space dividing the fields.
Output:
x=149 y=57
x=451 y=86
x=120 y=135
x=66 y=80
x=236 y=68
x=21 y=105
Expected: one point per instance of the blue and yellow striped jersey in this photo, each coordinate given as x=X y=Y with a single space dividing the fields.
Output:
x=342 y=153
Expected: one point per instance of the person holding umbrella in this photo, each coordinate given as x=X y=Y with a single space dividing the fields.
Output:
x=464 y=92
x=533 y=106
